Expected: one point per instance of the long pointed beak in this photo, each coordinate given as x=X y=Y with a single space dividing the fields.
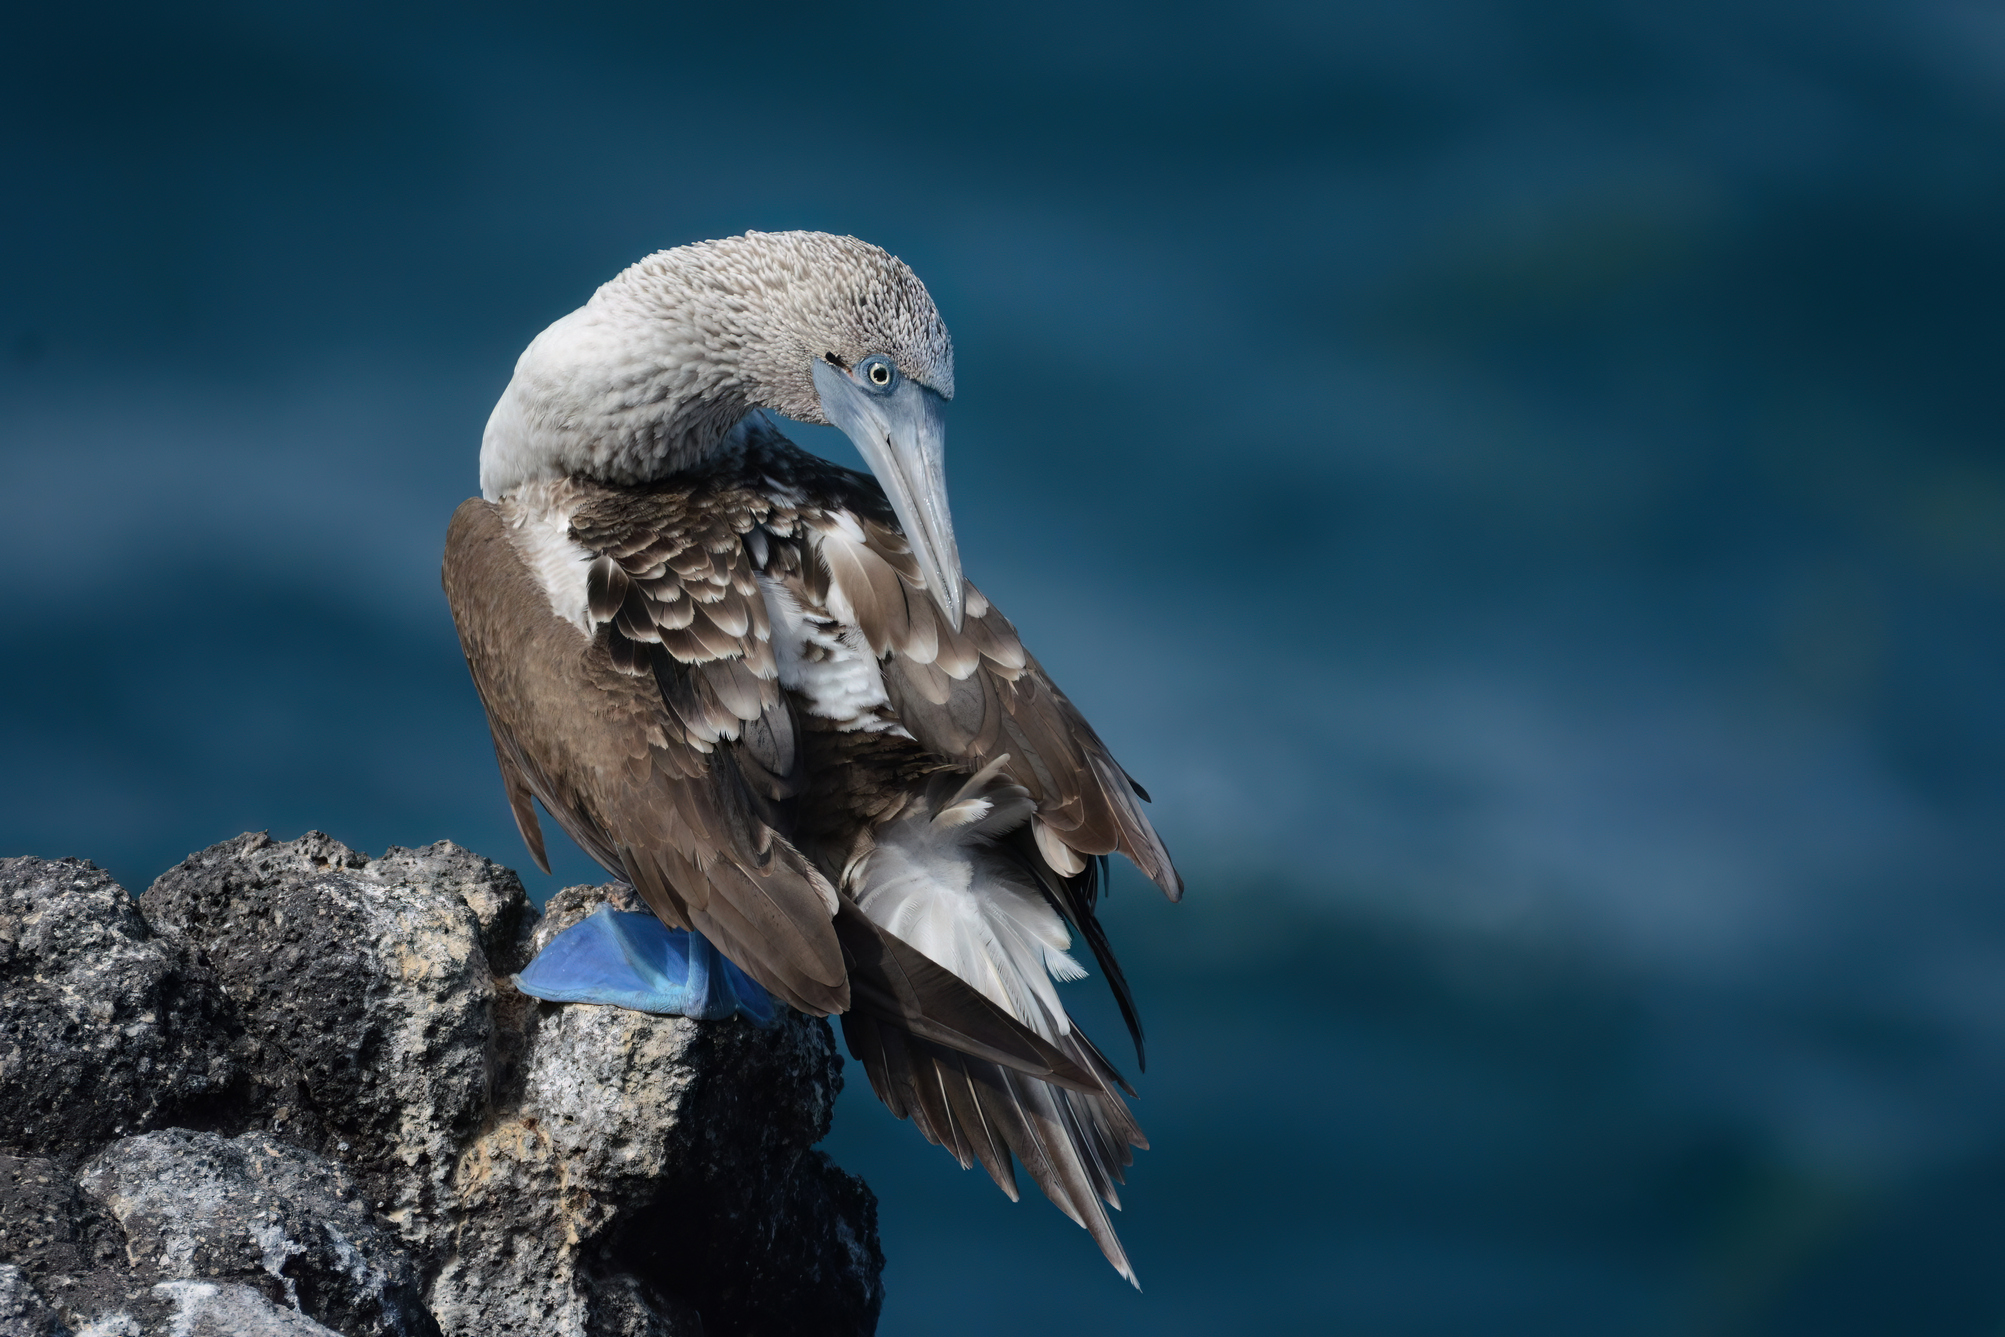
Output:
x=903 y=437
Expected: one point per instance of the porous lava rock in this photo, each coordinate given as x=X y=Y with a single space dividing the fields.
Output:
x=292 y=1090
x=105 y=1027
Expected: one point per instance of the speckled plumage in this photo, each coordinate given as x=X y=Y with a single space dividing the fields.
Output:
x=650 y=374
x=734 y=677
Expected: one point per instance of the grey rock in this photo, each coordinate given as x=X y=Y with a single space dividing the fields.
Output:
x=209 y=1309
x=265 y=1216
x=105 y=1028
x=366 y=993
x=621 y=1305
x=23 y=1312
x=61 y=1239
x=676 y=1151
x=381 y=1135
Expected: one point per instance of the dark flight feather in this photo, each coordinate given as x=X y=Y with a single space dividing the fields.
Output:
x=1074 y=1144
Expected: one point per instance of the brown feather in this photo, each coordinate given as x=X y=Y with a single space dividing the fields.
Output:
x=521 y=801
x=897 y=983
x=665 y=746
x=689 y=830
x=1073 y=1144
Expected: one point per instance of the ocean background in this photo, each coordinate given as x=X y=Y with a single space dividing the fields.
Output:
x=1520 y=482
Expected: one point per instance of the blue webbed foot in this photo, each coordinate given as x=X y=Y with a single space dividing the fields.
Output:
x=636 y=961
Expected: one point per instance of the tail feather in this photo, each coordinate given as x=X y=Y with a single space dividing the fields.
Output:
x=898 y=984
x=981 y=1132
x=1073 y=1144
x=955 y=889
x=1076 y=897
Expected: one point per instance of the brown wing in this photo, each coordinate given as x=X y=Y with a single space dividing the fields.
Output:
x=973 y=694
x=981 y=1102
x=660 y=742
x=969 y=696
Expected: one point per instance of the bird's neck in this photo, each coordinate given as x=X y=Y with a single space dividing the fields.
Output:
x=604 y=395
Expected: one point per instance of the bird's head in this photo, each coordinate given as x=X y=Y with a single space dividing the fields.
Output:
x=649 y=376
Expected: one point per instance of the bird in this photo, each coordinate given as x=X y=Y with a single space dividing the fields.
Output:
x=757 y=688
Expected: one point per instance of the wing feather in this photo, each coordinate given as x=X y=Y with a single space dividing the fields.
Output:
x=638 y=745
x=1073 y=1144
x=971 y=694
x=666 y=746
x=975 y=695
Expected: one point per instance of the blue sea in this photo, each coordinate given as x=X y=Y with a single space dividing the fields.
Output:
x=1522 y=483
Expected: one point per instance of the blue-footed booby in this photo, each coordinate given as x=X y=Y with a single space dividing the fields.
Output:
x=756 y=687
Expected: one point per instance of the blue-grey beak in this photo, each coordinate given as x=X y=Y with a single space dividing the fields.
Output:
x=902 y=435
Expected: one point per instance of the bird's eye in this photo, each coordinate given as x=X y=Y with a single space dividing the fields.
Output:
x=878 y=371
x=880 y=374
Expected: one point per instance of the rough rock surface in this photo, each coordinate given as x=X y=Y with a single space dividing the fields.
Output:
x=104 y=1028
x=266 y=1216
x=298 y=1094
x=23 y=1312
x=366 y=989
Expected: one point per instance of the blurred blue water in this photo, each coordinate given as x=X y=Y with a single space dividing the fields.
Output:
x=1520 y=482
